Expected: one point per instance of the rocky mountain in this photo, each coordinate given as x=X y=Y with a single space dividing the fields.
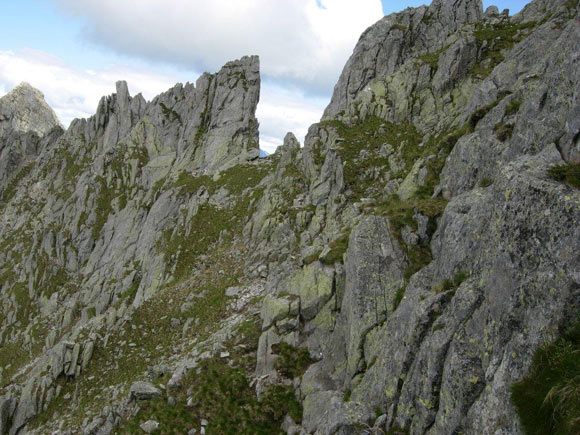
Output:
x=25 y=119
x=405 y=271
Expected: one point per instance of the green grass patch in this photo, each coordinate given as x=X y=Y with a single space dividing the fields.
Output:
x=548 y=398
x=12 y=357
x=338 y=248
x=360 y=151
x=498 y=37
x=503 y=131
x=432 y=58
x=513 y=107
x=204 y=125
x=480 y=113
x=103 y=205
x=399 y=296
x=292 y=361
x=236 y=179
x=219 y=391
x=452 y=284
x=183 y=245
x=568 y=173
x=309 y=259
x=398 y=26
x=401 y=214
x=118 y=170
x=486 y=182
x=366 y=168
x=50 y=276
x=150 y=327
x=169 y=113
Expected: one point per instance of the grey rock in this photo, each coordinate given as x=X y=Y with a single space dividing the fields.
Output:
x=374 y=271
x=491 y=11
x=233 y=291
x=380 y=423
x=150 y=426
x=479 y=155
x=289 y=426
x=144 y=391
x=87 y=354
x=384 y=47
x=7 y=408
x=27 y=406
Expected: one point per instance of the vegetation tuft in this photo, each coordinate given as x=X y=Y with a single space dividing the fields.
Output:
x=401 y=214
x=452 y=284
x=498 y=38
x=486 y=182
x=365 y=166
x=432 y=58
x=338 y=248
x=399 y=296
x=513 y=107
x=219 y=391
x=503 y=131
x=169 y=113
x=548 y=398
x=292 y=361
x=480 y=113
x=568 y=173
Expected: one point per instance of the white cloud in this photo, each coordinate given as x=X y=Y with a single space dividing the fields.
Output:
x=75 y=93
x=283 y=109
x=305 y=42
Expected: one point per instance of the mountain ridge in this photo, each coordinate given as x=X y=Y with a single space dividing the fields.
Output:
x=397 y=273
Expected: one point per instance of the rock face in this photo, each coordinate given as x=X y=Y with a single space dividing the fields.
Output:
x=385 y=46
x=397 y=273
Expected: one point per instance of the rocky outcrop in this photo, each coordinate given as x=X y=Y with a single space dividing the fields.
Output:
x=437 y=353
x=538 y=79
x=99 y=186
x=144 y=391
x=384 y=47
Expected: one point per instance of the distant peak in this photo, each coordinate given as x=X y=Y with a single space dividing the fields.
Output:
x=25 y=89
x=24 y=109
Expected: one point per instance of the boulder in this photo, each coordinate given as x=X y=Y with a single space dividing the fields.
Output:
x=144 y=391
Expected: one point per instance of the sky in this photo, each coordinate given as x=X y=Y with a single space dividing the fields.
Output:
x=75 y=50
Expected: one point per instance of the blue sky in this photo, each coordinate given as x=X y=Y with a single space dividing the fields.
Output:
x=75 y=50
